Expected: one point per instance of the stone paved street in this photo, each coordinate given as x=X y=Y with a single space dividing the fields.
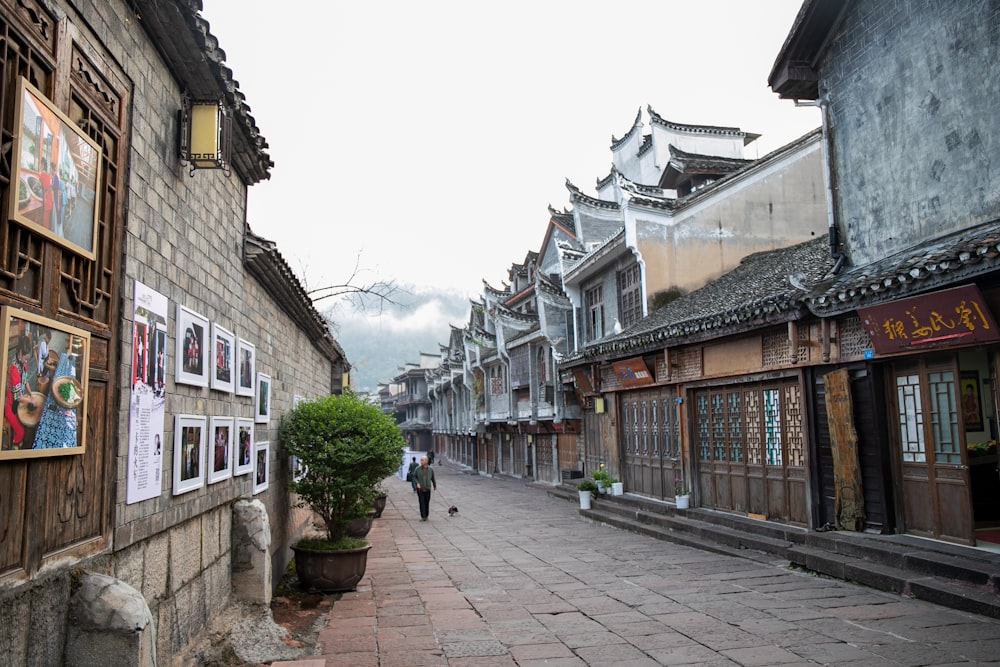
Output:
x=519 y=578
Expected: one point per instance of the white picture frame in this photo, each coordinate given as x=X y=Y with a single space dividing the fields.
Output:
x=221 y=449
x=261 y=462
x=192 y=340
x=190 y=433
x=262 y=399
x=223 y=359
x=246 y=366
x=243 y=461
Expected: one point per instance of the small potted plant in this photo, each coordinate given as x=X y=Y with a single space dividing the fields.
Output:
x=346 y=446
x=604 y=479
x=586 y=489
x=681 y=496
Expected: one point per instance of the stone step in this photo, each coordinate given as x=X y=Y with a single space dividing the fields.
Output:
x=946 y=591
x=950 y=575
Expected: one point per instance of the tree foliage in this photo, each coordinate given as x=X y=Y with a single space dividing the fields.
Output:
x=346 y=447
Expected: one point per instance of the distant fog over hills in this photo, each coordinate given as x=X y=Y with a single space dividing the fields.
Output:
x=378 y=344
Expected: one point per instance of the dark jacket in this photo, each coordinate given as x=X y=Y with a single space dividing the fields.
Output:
x=425 y=477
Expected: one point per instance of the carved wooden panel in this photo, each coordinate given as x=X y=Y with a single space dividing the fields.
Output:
x=57 y=506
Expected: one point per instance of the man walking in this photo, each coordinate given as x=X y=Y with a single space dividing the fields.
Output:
x=409 y=474
x=423 y=477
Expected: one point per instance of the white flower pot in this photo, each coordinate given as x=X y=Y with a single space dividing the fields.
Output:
x=617 y=489
x=601 y=488
x=683 y=502
x=584 y=499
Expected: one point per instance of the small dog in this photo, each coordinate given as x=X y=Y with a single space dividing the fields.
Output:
x=452 y=511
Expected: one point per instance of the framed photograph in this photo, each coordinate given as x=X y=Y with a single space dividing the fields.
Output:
x=189 y=453
x=262 y=399
x=297 y=467
x=45 y=384
x=246 y=360
x=223 y=447
x=243 y=463
x=192 y=348
x=971 y=400
x=58 y=174
x=223 y=358
x=260 y=471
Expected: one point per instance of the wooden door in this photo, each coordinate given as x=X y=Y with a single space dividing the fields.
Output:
x=930 y=450
x=649 y=437
x=749 y=448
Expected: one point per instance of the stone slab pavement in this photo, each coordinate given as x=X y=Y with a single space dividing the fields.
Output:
x=519 y=578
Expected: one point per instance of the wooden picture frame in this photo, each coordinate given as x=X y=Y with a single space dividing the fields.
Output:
x=970 y=400
x=47 y=364
x=223 y=373
x=190 y=434
x=191 y=348
x=262 y=399
x=222 y=448
x=58 y=181
x=261 y=459
x=246 y=362
x=243 y=461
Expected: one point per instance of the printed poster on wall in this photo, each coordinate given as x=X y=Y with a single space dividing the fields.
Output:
x=148 y=377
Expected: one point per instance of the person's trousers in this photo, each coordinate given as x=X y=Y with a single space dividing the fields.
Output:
x=424 y=497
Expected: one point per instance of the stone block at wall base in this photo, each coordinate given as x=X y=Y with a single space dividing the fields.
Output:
x=251 y=559
x=110 y=625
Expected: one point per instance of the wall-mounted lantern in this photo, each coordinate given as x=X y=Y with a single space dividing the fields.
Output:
x=205 y=135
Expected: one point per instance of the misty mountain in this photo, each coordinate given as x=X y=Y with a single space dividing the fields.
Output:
x=380 y=338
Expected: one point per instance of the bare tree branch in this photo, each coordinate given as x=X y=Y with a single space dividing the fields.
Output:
x=361 y=295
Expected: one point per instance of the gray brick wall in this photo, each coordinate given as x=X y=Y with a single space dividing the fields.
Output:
x=183 y=238
x=912 y=91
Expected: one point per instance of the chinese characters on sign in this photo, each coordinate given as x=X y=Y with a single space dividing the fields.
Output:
x=633 y=372
x=957 y=316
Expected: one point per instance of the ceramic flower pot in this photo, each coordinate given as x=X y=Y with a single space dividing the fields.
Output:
x=585 y=497
x=379 y=505
x=683 y=502
x=331 y=570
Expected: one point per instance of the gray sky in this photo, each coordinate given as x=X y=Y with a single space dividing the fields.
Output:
x=423 y=141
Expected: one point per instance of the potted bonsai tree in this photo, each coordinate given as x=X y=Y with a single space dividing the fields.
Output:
x=346 y=447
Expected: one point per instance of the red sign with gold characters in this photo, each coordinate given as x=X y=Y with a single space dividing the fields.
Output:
x=948 y=318
x=633 y=372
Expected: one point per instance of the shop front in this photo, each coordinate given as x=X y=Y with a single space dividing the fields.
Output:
x=940 y=372
x=749 y=448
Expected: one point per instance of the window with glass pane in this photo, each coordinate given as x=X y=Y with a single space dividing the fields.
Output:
x=594 y=301
x=629 y=296
x=911 y=419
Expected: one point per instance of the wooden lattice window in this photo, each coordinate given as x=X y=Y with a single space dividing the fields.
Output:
x=853 y=338
x=630 y=296
x=594 y=305
x=75 y=75
x=687 y=363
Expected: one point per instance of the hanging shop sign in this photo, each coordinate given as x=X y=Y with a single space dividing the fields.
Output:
x=633 y=372
x=949 y=318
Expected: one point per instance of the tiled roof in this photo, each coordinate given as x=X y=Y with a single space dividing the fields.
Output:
x=757 y=292
x=577 y=197
x=693 y=163
x=932 y=265
x=656 y=119
x=615 y=143
x=265 y=263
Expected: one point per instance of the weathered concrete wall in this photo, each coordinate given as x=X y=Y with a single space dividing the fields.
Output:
x=904 y=91
x=779 y=205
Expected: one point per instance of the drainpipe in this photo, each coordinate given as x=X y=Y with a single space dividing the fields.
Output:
x=824 y=111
